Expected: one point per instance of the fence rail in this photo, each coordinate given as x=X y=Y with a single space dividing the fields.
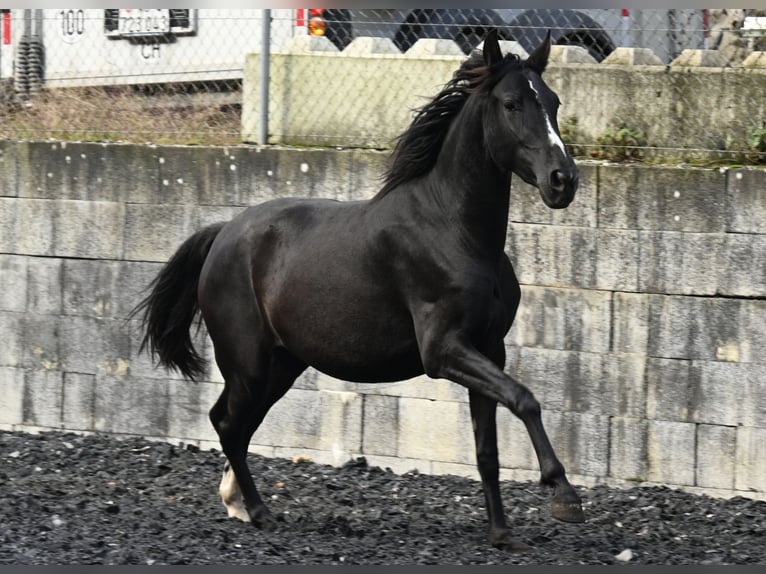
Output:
x=176 y=75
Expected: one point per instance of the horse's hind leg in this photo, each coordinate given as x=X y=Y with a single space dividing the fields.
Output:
x=236 y=415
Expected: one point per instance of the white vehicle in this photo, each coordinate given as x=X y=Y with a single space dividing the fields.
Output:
x=90 y=46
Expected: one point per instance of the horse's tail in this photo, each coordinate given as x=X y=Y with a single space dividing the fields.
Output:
x=169 y=310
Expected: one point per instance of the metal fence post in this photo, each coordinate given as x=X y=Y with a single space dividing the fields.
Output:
x=263 y=132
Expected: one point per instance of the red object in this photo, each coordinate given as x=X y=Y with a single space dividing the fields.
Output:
x=316 y=11
x=625 y=12
x=300 y=17
x=7 y=28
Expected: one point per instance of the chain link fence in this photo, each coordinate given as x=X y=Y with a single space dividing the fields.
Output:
x=177 y=75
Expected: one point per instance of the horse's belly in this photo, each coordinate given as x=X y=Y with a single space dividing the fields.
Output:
x=354 y=348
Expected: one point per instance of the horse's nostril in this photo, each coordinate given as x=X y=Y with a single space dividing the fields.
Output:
x=558 y=180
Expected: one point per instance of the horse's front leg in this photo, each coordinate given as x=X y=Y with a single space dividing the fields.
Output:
x=483 y=416
x=454 y=359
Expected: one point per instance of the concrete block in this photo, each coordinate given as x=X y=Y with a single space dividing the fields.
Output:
x=129 y=174
x=662 y=198
x=508 y=47
x=368 y=46
x=95 y=346
x=513 y=442
x=755 y=60
x=430 y=47
x=716 y=455
x=701 y=58
x=746 y=201
x=371 y=119
x=13 y=270
x=26 y=226
x=263 y=174
x=155 y=232
x=581 y=441
x=131 y=406
x=630 y=329
x=549 y=255
x=710 y=392
x=570 y=55
x=182 y=175
x=105 y=289
x=43 y=394
x=527 y=206
x=42 y=338
x=742 y=266
x=434 y=430
x=670 y=384
x=632 y=57
x=380 y=432
x=90 y=287
x=44 y=285
x=422 y=387
x=305 y=44
x=707 y=328
x=628 y=458
x=727 y=394
x=341 y=423
x=322 y=420
x=11 y=395
x=9 y=167
x=671 y=452
x=88 y=229
x=617 y=266
x=682 y=263
x=77 y=171
x=750 y=469
x=564 y=319
x=79 y=401
x=188 y=407
x=609 y=384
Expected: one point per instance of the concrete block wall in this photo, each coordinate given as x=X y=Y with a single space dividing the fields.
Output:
x=642 y=328
x=688 y=111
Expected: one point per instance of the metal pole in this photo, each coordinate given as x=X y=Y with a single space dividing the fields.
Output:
x=263 y=131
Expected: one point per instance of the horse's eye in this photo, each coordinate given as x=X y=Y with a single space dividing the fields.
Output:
x=511 y=105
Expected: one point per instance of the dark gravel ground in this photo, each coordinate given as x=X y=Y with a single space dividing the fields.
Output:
x=69 y=499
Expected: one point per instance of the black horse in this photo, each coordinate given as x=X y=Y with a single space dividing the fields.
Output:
x=413 y=281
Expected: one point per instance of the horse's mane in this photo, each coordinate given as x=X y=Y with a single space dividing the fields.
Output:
x=419 y=145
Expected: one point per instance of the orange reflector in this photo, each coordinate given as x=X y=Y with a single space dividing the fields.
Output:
x=317 y=27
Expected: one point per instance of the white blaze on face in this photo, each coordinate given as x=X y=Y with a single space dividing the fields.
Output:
x=553 y=137
x=232 y=495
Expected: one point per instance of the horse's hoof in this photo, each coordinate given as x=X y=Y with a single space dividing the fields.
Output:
x=504 y=541
x=568 y=511
x=266 y=522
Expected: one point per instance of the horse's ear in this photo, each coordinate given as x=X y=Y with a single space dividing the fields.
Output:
x=539 y=58
x=492 y=53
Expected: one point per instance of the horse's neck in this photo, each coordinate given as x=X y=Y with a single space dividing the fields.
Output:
x=474 y=191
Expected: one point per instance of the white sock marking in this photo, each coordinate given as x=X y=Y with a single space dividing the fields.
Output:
x=232 y=495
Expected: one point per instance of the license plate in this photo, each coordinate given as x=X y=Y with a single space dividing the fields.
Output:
x=144 y=21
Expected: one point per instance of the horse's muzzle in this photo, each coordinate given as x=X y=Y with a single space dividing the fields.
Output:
x=561 y=188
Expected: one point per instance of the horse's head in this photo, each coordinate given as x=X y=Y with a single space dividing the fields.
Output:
x=521 y=131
